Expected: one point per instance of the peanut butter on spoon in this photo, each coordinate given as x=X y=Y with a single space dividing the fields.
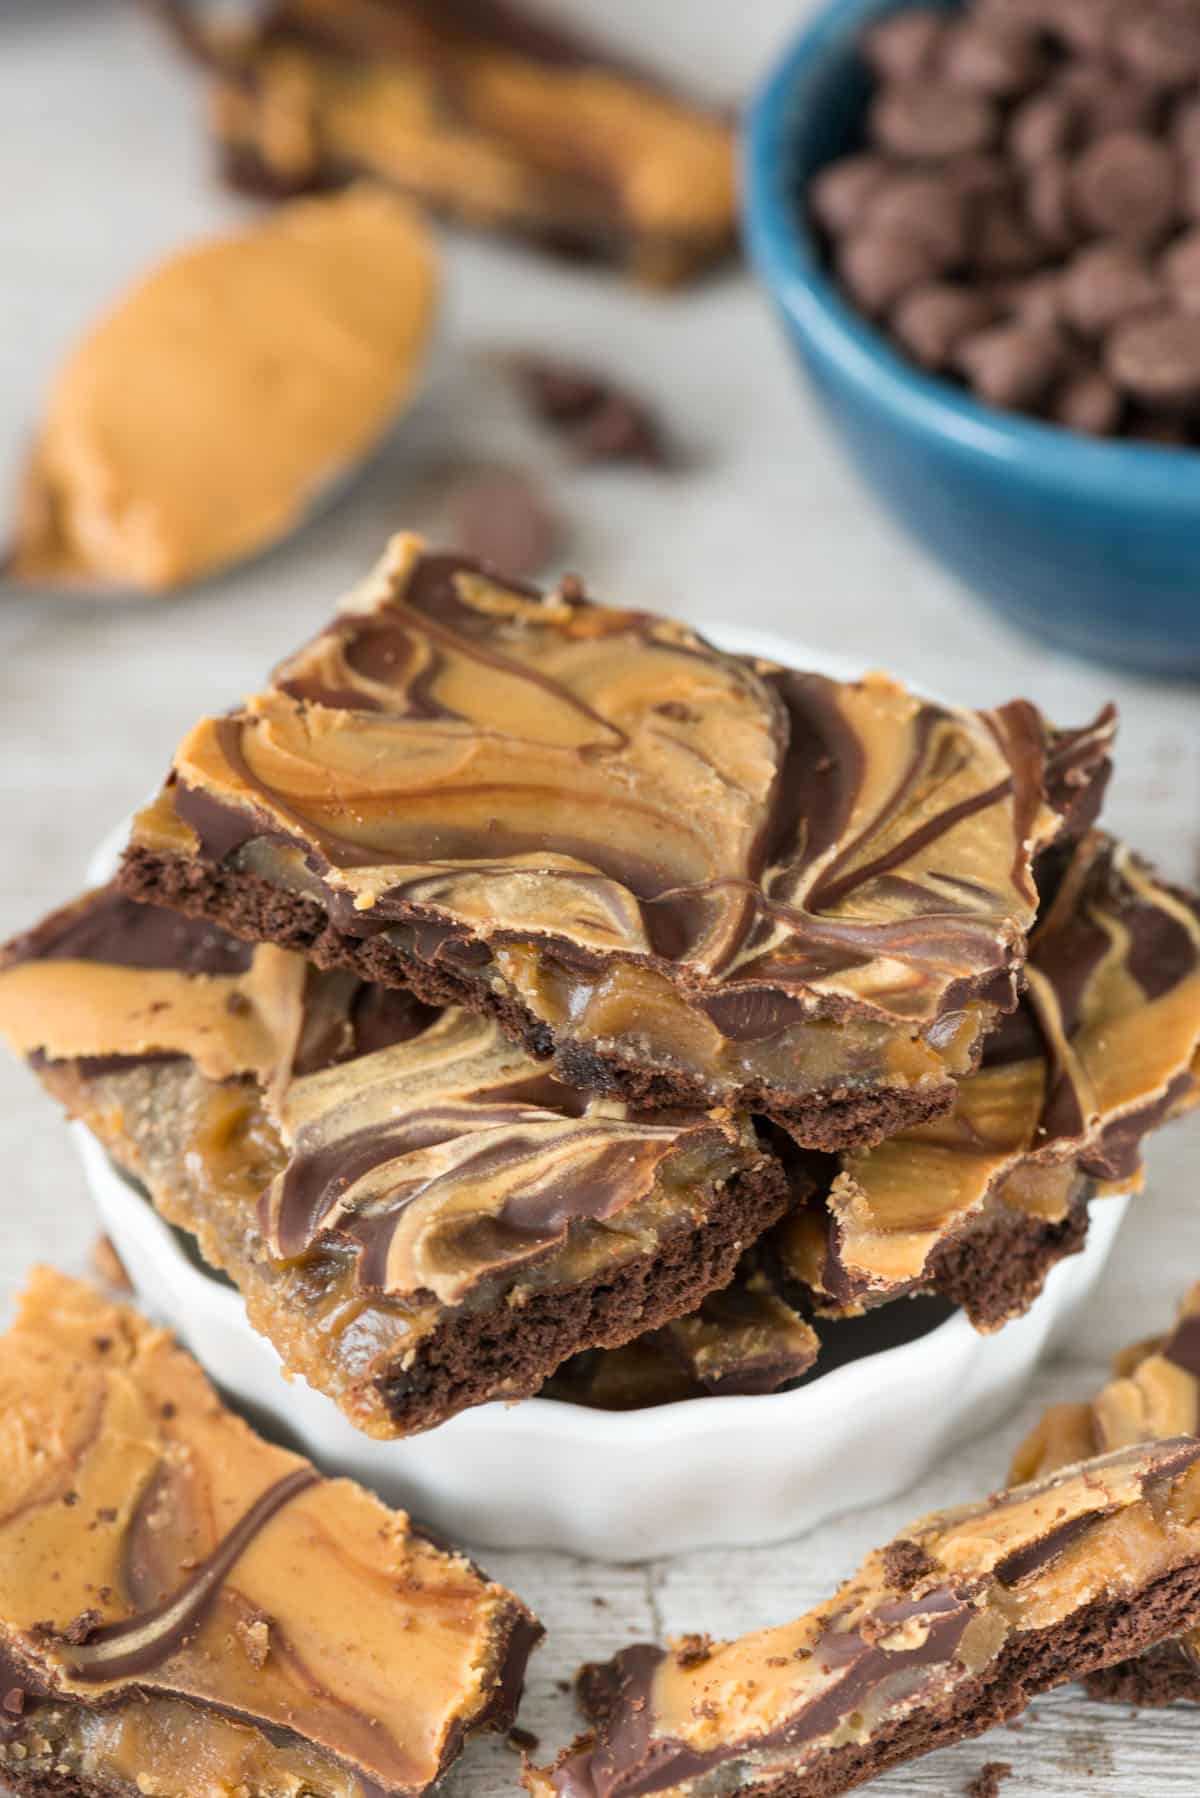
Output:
x=202 y=417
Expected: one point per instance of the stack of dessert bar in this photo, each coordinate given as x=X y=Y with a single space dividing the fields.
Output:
x=521 y=990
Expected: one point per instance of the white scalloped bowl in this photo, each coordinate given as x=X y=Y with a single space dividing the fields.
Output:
x=632 y=1485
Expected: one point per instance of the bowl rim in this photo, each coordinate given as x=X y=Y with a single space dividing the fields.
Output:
x=786 y=254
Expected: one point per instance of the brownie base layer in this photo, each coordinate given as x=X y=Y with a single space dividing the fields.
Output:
x=246 y=905
x=1110 y=1629
x=1163 y=1676
x=473 y=1356
x=996 y=1270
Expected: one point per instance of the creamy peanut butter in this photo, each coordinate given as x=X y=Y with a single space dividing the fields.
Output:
x=190 y=1612
x=223 y=396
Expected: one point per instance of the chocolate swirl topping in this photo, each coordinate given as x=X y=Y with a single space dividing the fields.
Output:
x=159 y=1563
x=957 y=1624
x=634 y=838
x=1103 y=1048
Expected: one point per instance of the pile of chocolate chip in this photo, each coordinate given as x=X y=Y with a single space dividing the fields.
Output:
x=1026 y=216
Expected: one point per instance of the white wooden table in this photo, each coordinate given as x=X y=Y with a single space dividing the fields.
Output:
x=104 y=167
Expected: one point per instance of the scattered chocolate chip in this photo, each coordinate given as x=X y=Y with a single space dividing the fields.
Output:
x=1012 y=366
x=932 y=321
x=499 y=517
x=1126 y=186
x=905 y=45
x=840 y=193
x=877 y=269
x=928 y=120
x=1105 y=284
x=1157 y=360
x=600 y=421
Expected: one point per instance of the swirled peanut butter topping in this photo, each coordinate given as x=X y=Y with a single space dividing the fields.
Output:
x=163 y=1570
x=1105 y=1046
x=525 y=131
x=988 y=1604
x=671 y=857
x=360 y=1164
x=217 y=401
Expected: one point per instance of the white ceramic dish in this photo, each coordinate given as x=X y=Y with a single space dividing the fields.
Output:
x=626 y=1486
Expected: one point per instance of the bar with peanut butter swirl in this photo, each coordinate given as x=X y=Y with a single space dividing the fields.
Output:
x=689 y=877
x=175 y=1592
x=419 y=1216
x=1155 y=1394
x=950 y=1629
x=1103 y=1048
x=486 y=114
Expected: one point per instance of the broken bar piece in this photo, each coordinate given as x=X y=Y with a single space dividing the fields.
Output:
x=420 y=1217
x=490 y=117
x=1103 y=1048
x=949 y=1630
x=188 y=1611
x=690 y=877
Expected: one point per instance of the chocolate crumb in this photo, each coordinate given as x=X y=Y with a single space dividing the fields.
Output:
x=167 y=1410
x=986 y=1783
x=81 y=1627
x=237 y=1005
x=523 y=1740
x=563 y=1686
x=102 y=1344
x=905 y=1563
x=602 y=1603
x=70 y=1498
x=693 y=1650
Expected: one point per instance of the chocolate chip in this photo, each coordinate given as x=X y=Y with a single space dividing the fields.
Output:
x=933 y=320
x=926 y=207
x=906 y=44
x=1005 y=240
x=877 y=270
x=1189 y=187
x=1048 y=202
x=839 y=194
x=1157 y=360
x=1087 y=402
x=1103 y=101
x=1105 y=284
x=1041 y=126
x=500 y=518
x=1012 y=365
x=1125 y=185
x=1156 y=427
x=1088 y=26
x=928 y=120
x=982 y=176
x=997 y=60
x=1037 y=299
x=600 y=421
x=1184 y=128
x=1180 y=266
x=1161 y=43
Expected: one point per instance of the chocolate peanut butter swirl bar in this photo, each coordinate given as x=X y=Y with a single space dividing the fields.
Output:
x=188 y=1611
x=1155 y=1394
x=690 y=877
x=419 y=1215
x=493 y=118
x=950 y=1629
x=1103 y=1048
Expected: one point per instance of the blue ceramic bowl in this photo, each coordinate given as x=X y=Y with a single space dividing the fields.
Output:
x=1092 y=545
